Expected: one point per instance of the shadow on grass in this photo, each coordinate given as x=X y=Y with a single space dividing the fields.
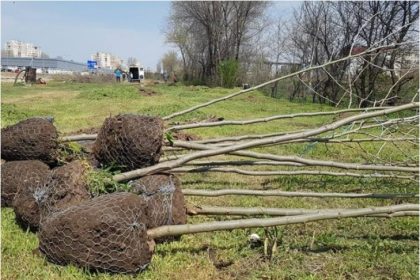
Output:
x=192 y=250
x=213 y=183
x=394 y=237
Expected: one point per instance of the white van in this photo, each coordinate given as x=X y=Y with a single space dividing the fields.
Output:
x=135 y=74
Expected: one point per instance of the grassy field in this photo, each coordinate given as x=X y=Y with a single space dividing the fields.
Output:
x=359 y=248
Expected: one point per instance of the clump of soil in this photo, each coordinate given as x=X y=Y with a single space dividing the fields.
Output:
x=214 y=119
x=164 y=198
x=182 y=136
x=29 y=195
x=34 y=138
x=89 y=130
x=107 y=233
x=147 y=92
x=129 y=141
x=23 y=175
x=63 y=187
x=66 y=186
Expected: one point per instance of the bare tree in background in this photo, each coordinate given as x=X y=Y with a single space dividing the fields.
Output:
x=392 y=23
x=170 y=62
x=207 y=33
x=159 y=67
x=325 y=31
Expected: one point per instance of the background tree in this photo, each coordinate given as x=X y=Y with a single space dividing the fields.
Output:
x=323 y=31
x=207 y=33
x=170 y=62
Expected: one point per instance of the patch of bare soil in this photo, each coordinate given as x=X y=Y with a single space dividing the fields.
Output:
x=89 y=130
x=147 y=92
x=183 y=136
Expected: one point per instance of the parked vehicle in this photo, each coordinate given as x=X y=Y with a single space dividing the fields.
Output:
x=135 y=74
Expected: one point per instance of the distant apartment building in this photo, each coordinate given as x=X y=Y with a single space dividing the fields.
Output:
x=107 y=60
x=15 y=48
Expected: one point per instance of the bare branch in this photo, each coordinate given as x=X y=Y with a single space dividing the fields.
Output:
x=303 y=161
x=253 y=211
x=287 y=173
x=372 y=50
x=312 y=132
x=80 y=137
x=264 y=120
x=222 y=192
x=243 y=163
x=267 y=222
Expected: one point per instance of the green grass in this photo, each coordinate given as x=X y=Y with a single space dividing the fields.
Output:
x=359 y=248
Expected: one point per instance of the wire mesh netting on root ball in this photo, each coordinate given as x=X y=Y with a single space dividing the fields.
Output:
x=107 y=233
x=34 y=138
x=129 y=141
x=66 y=186
x=62 y=187
x=21 y=175
x=164 y=198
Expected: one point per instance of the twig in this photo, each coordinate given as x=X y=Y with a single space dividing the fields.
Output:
x=394 y=85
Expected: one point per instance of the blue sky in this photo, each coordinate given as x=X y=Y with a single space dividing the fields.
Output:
x=75 y=30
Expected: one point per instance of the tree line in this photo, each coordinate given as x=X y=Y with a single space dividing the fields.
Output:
x=234 y=42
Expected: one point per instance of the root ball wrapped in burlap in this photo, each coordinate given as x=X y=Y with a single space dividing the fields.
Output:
x=164 y=198
x=22 y=174
x=129 y=141
x=107 y=233
x=34 y=138
x=65 y=187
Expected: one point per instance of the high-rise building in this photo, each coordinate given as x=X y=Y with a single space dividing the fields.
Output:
x=16 y=48
x=107 y=60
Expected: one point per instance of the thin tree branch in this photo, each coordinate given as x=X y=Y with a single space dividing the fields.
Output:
x=264 y=120
x=243 y=163
x=312 y=132
x=303 y=161
x=252 y=211
x=287 y=173
x=278 y=79
x=80 y=137
x=175 y=230
x=222 y=192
